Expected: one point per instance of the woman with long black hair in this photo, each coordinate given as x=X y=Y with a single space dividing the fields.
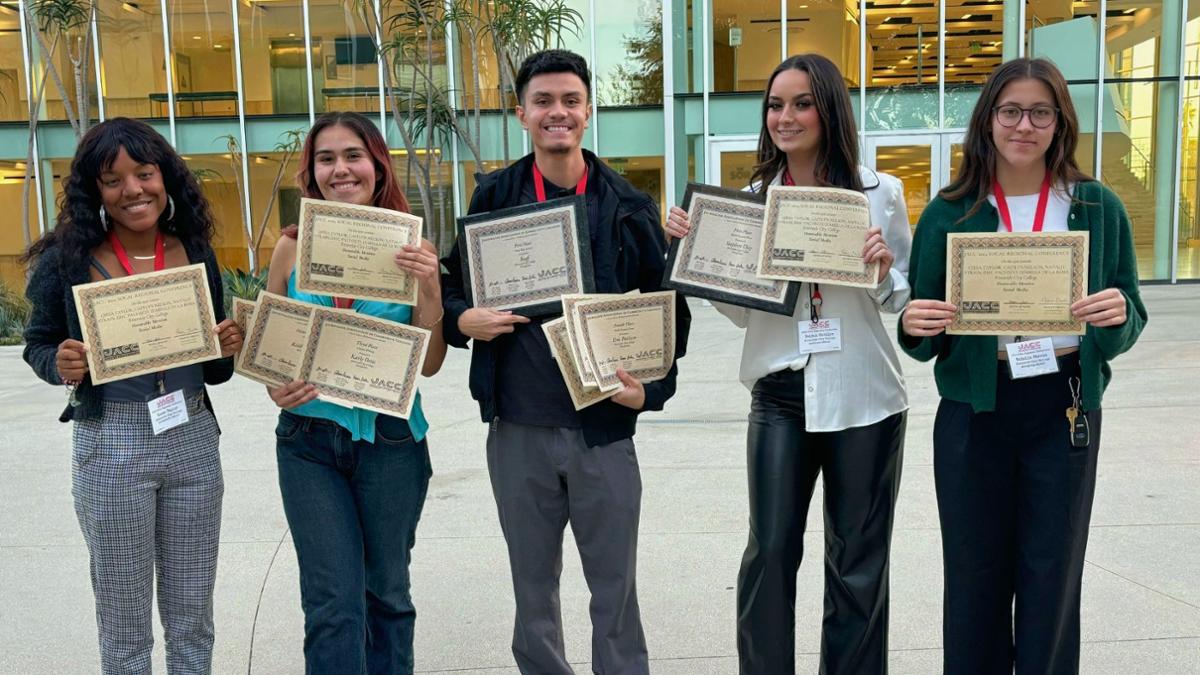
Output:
x=146 y=502
x=840 y=414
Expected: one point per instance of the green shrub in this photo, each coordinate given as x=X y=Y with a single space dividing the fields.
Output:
x=14 y=314
x=239 y=284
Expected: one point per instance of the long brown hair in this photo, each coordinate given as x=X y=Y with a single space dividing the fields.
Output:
x=837 y=156
x=978 y=167
x=388 y=194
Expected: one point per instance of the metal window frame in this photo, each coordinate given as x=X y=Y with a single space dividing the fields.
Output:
x=36 y=158
x=1101 y=54
x=379 y=68
x=451 y=38
x=95 y=30
x=668 y=97
x=706 y=9
x=862 y=77
x=592 y=60
x=247 y=215
x=169 y=66
x=1180 y=93
x=308 y=62
x=941 y=45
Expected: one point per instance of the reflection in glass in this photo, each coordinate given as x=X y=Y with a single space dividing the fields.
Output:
x=736 y=168
x=439 y=226
x=1188 y=265
x=902 y=64
x=629 y=58
x=345 y=65
x=219 y=176
x=131 y=59
x=974 y=40
x=14 y=103
x=644 y=173
x=745 y=43
x=1141 y=173
x=273 y=63
x=1138 y=39
x=12 y=241
x=202 y=58
x=912 y=164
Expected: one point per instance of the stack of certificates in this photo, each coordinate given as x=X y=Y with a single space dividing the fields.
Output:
x=353 y=359
x=597 y=334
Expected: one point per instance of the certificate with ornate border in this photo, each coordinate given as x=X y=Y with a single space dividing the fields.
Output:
x=718 y=260
x=816 y=234
x=349 y=250
x=582 y=395
x=633 y=332
x=364 y=362
x=525 y=258
x=243 y=315
x=587 y=372
x=1006 y=283
x=147 y=323
x=273 y=349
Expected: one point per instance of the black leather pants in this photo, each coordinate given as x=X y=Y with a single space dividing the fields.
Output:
x=861 y=469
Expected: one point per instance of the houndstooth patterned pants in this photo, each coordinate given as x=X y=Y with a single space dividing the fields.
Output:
x=148 y=503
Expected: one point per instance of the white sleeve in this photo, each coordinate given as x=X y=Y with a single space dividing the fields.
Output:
x=893 y=291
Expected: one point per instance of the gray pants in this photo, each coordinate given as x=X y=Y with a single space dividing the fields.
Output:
x=543 y=478
x=149 y=502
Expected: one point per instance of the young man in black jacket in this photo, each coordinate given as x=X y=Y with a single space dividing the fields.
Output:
x=549 y=464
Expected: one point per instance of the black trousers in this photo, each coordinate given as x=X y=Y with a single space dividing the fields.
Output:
x=861 y=469
x=1014 y=500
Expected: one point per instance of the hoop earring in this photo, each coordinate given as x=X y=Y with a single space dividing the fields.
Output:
x=103 y=218
x=171 y=207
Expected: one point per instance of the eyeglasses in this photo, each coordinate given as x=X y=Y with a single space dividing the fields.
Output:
x=1040 y=116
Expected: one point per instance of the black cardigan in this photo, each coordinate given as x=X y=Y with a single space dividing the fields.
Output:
x=54 y=319
x=629 y=229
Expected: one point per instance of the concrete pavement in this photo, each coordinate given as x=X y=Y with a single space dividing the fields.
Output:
x=1141 y=598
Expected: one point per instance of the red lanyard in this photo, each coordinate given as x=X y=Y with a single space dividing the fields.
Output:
x=814 y=290
x=1038 y=218
x=343 y=303
x=160 y=258
x=539 y=185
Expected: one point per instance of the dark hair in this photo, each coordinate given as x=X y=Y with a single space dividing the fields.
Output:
x=978 y=167
x=78 y=229
x=552 y=61
x=388 y=194
x=837 y=156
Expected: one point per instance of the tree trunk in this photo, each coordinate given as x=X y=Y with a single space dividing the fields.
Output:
x=35 y=102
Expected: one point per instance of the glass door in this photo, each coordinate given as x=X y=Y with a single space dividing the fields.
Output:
x=731 y=160
x=924 y=163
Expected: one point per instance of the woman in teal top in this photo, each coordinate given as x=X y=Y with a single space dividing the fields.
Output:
x=1015 y=476
x=353 y=481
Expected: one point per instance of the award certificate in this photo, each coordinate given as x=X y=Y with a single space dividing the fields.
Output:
x=364 y=362
x=582 y=395
x=147 y=323
x=633 y=332
x=718 y=260
x=273 y=348
x=349 y=250
x=816 y=234
x=243 y=315
x=1007 y=283
x=587 y=371
x=525 y=258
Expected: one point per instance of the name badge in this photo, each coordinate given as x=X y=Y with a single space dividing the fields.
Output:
x=168 y=412
x=1031 y=358
x=822 y=335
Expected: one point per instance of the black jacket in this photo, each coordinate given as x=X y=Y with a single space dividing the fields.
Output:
x=630 y=252
x=54 y=319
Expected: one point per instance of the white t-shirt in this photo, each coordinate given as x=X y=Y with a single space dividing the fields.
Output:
x=1022 y=209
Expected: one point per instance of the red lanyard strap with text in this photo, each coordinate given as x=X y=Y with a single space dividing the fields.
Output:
x=539 y=184
x=160 y=258
x=814 y=289
x=1039 y=216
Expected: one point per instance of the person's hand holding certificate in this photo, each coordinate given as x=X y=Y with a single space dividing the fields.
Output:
x=349 y=250
x=635 y=333
x=147 y=323
x=816 y=234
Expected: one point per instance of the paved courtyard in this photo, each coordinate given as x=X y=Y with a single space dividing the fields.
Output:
x=1141 y=598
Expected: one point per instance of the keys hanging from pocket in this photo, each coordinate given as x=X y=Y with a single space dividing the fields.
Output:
x=1079 y=431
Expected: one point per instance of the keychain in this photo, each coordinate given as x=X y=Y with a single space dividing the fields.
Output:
x=1080 y=432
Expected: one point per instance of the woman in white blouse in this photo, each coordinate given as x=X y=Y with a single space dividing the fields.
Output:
x=838 y=413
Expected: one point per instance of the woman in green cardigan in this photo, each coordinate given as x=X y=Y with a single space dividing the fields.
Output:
x=1015 y=476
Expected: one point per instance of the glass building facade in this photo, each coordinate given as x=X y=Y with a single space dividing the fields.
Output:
x=677 y=95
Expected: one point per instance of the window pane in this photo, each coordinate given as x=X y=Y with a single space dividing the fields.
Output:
x=629 y=57
x=202 y=57
x=736 y=168
x=12 y=241
x=644 y=173
x=902 y=64
x=912 y=165
x=1141 y=39
x=14 y=103
x=439 y=225
x=974 y=40
x=273 y=63
x=131 y=59
x=345 y=65
x=1189 y=189
x=219 y=176
x=1066 y=33
x=745 y=43
x=71 y=47
x=1138 y=164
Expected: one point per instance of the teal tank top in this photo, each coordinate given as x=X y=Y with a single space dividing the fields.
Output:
x=360 y=423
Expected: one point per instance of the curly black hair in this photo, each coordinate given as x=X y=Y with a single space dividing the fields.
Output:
x=78 y=229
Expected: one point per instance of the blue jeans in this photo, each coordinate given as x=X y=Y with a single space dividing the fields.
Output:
x=353 y=509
